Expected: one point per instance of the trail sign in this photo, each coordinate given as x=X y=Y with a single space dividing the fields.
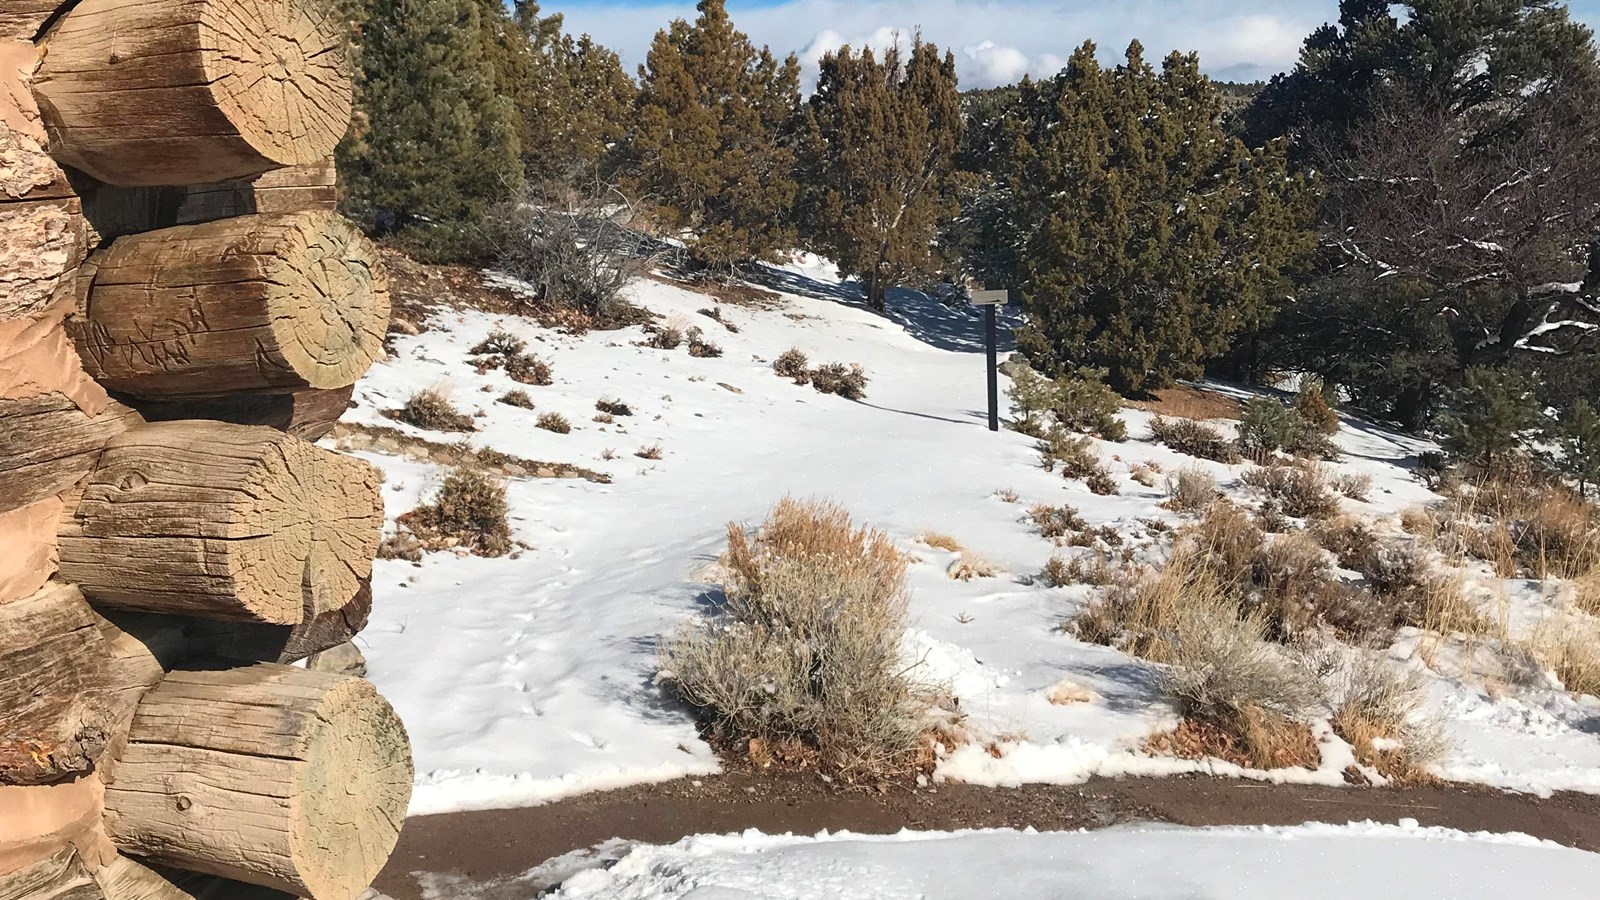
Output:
x=990 y=301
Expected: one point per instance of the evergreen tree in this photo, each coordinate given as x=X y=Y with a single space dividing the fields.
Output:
x=1577 y=437
x=708 y=146
x=1493 y=412
x=433 y=138
x=877 y=156
x=1147 y=237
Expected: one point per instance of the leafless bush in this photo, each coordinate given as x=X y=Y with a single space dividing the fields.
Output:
x=529 y=369
x=1377 y=709
x=664 y=337
x=792 y=363
x=1077 y=457
x=574 y=246
x=431 y=409
x=1195 y=439
x=518 y=398
x=804 y=663
x=653 y=451
x=1356 y=487
x=1300 y=491
x=468 y=511
x=700 y=347
x=1190 y=490
x=834 y=378
x=553 y=421
x=1348 y=538
x=613 y=407
x=1056 y=521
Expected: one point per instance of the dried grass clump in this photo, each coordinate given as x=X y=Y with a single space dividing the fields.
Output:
x=1301 y=491
x=652 y=451
x=468 y=511
x=803 y=663
x=700 y=347
x=1007 y=495
x=1190 y=489
x=518 y=398
x=1568 y=646
x=663 y=337
x=939 y=541
x=1416 y=592
x=970 y=565
x=613 y=407
x=526 y=368
x=552 y=421
x=834 y=378
x=1096 y=571
x=1145 y=472
x=432 y=410
x=1356 y=487
x=1525 y=524
x=1230 y=682
x=1056 y=521
x=1195 y=439
x=499 y=343
x=1377 y=709
x=793 y=364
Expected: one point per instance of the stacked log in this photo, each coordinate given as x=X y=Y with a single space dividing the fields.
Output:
x=182 y=312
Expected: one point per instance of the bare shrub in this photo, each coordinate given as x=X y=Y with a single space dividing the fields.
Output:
x=432 y=410
x=1195 y=439
x=1007 y=495
x=803 y=661
x=1190 y=489
x=1225 y=675
x=529 y=369
x=1077 y=458
x=792 y=363
x=1056 y=521
x=1377 y=709
x=573 y=245
x=468 y=511
x=1354 y=486
x=1417 y=593
x=613 y=407
x=653 y=451
x=518 y=398
x=1348 y=538
x=700 y=347
x=553 y=421
x=1289 y=579
x=499 y=343
x=664 y=337
x=1096 y=571
x=1301 y=491
x=833 y=378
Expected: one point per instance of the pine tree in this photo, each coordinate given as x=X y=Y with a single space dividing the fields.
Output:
x=877 y=158
x=1147 y=237
x=433 y=138
x=1577 y=436
x=1493 y=412
x=708 y=147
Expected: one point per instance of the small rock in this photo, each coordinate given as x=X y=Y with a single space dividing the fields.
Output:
x=545 y=472
x=345 y=659
x=729 y=387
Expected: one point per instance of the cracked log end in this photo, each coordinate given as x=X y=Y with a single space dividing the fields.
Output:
x=263 y=303
x=270 y=775
x=179 y=92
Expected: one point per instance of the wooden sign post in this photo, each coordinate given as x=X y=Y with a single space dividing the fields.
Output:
x=991 y=301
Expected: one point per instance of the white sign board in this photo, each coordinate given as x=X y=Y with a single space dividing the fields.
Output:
x=990 y=298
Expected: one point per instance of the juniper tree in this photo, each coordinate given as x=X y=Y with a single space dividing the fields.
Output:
x=707 y=148
x=1148 y=237
x=877 y=158
x=1577 y=437
x=432 y=137
x=1493 y=412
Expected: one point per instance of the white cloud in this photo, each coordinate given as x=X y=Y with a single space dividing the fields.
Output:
x=996 y=41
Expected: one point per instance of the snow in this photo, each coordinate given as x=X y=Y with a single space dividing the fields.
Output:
x=525 y=680
x=1312 y=862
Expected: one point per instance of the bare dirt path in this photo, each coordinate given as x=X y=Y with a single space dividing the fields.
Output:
x=482 y=847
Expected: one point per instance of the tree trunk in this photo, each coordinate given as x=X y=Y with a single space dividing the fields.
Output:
x=55 y=688
x=61 y=877
x=22 y=19
x=47 y=445
x=178 y=92
x=308 y=414
x=276 y=304
x=223 y=522
x=271 y=775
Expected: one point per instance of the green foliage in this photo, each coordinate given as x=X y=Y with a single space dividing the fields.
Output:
x=1577 y=438
x=432 y=139
x=1195 y=439
x=707 y=147
x=1149 y=237
x=877 y=155
x=1267 y=426
x=1080 y=401
x=1491 y=415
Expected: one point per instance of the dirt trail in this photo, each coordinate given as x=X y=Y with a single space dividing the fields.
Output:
x=486 y=846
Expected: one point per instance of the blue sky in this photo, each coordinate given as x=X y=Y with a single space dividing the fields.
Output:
x=997 y=41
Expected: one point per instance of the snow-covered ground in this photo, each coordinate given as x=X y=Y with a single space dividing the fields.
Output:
x=525 y=680
x=1314 y=862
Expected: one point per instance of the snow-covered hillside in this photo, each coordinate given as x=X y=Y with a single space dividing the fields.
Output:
x=526 y=679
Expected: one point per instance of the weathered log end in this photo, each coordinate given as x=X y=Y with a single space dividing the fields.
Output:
x=47 y=445
x=61 y=877
x=225 y=522
x=55 y=688
x=274 y=303
x=270 y=775
x=177 y=92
